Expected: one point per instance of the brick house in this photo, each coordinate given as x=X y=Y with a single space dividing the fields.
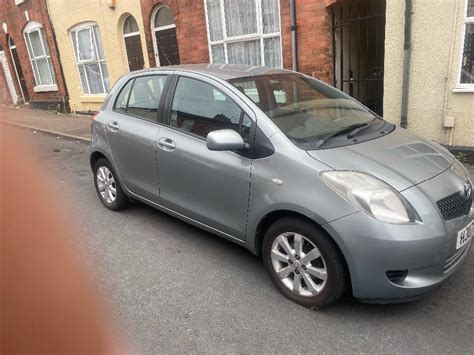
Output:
x=195 y=43
x=31 y=54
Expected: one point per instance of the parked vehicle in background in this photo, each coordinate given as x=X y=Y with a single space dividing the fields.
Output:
x=331 y=195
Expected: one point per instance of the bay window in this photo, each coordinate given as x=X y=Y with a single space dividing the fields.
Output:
x=90 y=59
x=40 y=58
x=244 y=32
x=466 y=77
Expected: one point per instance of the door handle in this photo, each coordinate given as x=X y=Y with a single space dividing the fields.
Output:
x=113 y=126
x=166 y=144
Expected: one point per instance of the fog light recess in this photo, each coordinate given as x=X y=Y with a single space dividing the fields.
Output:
x=396 y=276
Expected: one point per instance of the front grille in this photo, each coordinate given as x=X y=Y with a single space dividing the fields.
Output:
x=454 y=206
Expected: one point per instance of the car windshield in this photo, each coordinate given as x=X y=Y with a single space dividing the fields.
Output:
x=306 y=110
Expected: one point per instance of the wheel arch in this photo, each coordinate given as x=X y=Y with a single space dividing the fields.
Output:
x=271 y=217
x=95 y=156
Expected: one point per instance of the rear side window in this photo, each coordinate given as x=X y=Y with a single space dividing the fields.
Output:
x=122 y=98
x=200 y=108
x=141 y=97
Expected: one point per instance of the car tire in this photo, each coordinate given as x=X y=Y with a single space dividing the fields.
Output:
x=308 y=290
x=108 y=186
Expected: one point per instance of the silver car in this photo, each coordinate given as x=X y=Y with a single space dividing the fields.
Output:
x=332 y=196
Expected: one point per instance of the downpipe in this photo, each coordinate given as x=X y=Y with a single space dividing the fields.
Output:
x=406 y=63
x=294 y=44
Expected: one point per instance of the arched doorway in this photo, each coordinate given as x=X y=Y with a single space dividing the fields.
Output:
x=18 y=70
x=133 y=44
x=164 y=37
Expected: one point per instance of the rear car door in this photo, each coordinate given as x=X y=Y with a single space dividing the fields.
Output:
x=132 y=130
x=211 y=187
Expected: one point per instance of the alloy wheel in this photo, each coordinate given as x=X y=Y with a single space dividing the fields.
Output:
x=299 y=264
x=106 y=184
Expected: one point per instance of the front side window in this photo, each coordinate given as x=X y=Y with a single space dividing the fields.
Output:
x=38 y=52
x=244 y=32
x=200 y=108
x=141 y=97
x=304 y=109
x=467 y=57
x=90 y=60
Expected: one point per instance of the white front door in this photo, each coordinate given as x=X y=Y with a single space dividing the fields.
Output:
x=8 y=77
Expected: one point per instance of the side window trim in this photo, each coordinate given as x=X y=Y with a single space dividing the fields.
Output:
x=129 y=94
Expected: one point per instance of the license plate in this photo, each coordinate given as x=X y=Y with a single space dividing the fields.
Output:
x=464 y=235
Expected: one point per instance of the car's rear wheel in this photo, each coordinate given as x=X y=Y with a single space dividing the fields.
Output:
x=304 y=263
x=108 y=187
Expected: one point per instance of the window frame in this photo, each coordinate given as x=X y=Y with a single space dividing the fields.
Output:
x=259 y=35
x=75 y=47
x=463 y=87
x=31 y=28
x=160 y=108
x=245 y=109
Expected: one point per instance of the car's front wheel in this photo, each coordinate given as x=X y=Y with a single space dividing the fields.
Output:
x=304 y=263
x=108 y=187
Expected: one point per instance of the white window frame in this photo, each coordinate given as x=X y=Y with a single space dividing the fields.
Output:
x=90 y=27
x=30 y=28
x=157 y=29
x=259 y=35
x=461 y=87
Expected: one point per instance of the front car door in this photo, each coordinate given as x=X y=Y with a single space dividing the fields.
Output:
x=132 y=131
x=210 y=187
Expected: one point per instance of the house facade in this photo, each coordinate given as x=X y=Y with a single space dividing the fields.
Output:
x=423 y=82
x=440 y=97
x=99 y=41
x=29 y=57
x=256 y=32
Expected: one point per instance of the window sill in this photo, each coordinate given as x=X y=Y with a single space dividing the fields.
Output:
x=464 y=89
x=45 y=88
x=93 y=98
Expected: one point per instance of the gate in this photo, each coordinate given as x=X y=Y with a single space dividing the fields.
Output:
x=358 y=33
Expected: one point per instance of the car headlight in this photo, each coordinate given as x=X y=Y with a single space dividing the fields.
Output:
x=371 y=195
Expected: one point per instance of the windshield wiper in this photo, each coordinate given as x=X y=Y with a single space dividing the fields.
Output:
x=352 y=129
x=358 y=130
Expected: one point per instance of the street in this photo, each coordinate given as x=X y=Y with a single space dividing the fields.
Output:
x=173 y=288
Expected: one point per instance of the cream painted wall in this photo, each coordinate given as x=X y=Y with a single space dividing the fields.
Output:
x=437 y=29
x=110 y=22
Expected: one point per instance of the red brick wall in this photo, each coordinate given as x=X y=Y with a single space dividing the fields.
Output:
x=191 y=32
x=14 y=16
x=314 y=37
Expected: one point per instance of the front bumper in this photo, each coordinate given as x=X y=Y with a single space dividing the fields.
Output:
x=372 y=248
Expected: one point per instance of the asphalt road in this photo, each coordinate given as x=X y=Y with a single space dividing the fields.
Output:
x=174 y=288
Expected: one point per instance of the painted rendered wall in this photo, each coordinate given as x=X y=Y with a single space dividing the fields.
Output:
x=435 y=59
x=66 y=14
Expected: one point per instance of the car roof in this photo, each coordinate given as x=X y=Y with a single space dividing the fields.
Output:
x=222 y=71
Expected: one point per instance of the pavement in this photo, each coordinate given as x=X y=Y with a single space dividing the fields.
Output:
x=172 y=288
x=70 y=126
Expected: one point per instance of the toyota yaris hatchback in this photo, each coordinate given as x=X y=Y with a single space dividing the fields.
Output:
x=331 y=195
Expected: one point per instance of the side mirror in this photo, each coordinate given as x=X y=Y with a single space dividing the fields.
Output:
x=225 y=139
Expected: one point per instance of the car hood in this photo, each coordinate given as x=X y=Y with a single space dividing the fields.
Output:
x=399 y=158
